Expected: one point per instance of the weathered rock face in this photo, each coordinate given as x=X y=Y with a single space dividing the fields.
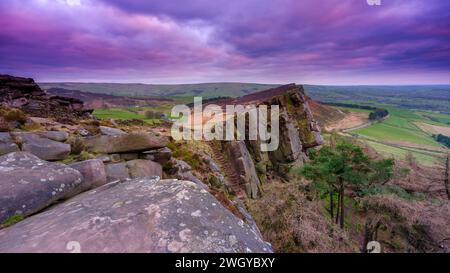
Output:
x=44 y=148
x=143 y=215
x=25 y=94
x=7 y=145
x=298 y=132
x=132 y=142
x=29 y=184
x=242 y=162
x=93 y=172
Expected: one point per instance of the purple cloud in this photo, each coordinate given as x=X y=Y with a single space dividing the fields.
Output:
x=333 y=41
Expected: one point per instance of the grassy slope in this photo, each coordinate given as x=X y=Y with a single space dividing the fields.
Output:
x=399 y=127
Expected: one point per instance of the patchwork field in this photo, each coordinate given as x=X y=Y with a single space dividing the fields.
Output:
x=406 y=131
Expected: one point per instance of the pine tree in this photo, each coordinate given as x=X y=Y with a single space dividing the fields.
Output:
x=346 y=167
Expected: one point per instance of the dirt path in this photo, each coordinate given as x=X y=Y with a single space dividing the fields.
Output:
x=231 y=175
x=351 y=120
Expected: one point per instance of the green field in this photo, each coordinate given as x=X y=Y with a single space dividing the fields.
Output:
x=122 y=114
x=399 y=127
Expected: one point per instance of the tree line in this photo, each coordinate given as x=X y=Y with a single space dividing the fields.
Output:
x=442 y=139
x=378 y=114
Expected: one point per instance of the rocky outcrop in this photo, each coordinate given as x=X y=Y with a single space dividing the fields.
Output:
x=97 y=100
x=132 y=142
x=25 y=94
x=142 y=215
x=298 y=132
x=29 y=184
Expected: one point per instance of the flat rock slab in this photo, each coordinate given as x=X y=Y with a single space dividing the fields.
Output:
x=29 y=184
x=132 y=142
x=142 y=215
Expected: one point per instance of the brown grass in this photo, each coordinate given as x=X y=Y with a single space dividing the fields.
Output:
x=293 y=224
x=434 y=129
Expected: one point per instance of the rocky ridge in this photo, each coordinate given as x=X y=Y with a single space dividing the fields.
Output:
x=25 y=94
x=299 y=131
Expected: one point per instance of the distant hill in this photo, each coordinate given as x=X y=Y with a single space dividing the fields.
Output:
x=96 y=100
x=206 y=90
x=416 y=97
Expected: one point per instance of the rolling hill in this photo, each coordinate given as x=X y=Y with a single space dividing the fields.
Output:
x=206 y=90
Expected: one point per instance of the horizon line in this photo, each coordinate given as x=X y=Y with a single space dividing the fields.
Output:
x=232 y=82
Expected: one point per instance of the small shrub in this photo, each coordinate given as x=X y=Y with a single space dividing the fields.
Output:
x=12 y=220
x=76 y=144
x=180 y=151
x=214 y=182
x=85 y=156
x=31 y=127
x=13 y=114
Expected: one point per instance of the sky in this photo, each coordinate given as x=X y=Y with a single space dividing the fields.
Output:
x=189 y=41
